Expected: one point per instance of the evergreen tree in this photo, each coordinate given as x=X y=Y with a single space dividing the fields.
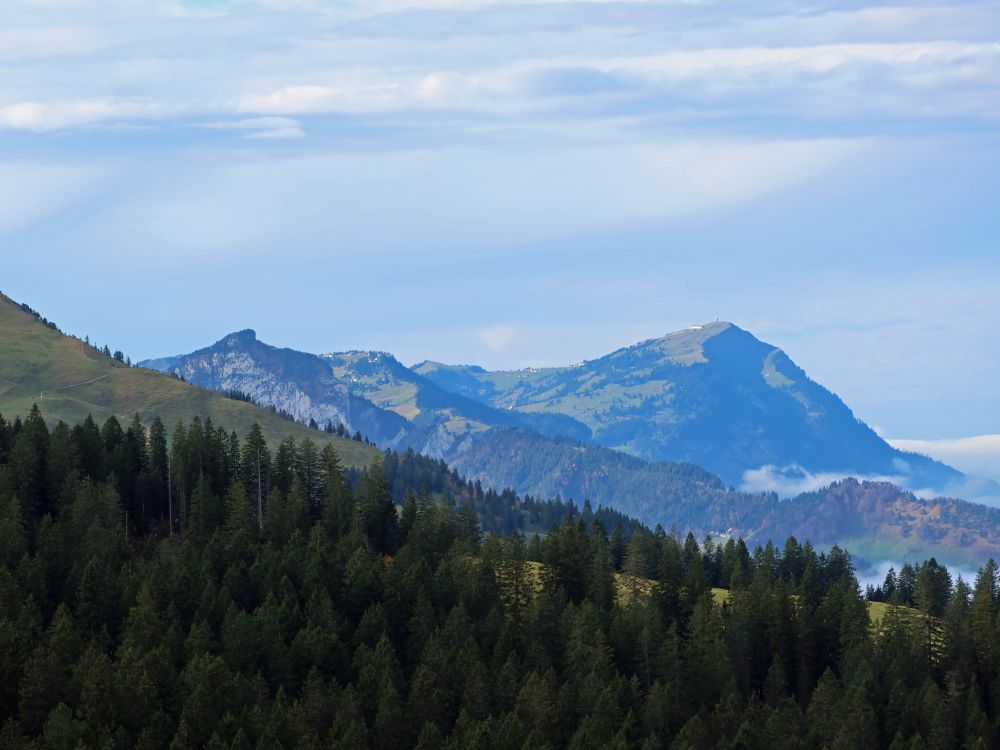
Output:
x=27 y=461
x=634 y=566
x=309 y=471
x=285 y=463
x=376 y=510
x=514 y=576
x=255 y=470
x=155 y=488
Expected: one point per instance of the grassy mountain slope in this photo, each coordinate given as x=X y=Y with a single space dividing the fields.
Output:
x=69 y=380
x=713 y=395
x=384 y=380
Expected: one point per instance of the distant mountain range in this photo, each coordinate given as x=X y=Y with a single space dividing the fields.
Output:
x=711 y=395
x=693 y=429
x=656 y=430
x=531 y=430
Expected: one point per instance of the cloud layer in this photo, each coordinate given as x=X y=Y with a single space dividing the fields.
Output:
x=978 y=455
x=791 y=481
x=73 y=64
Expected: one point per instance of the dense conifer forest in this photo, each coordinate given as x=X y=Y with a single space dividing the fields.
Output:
x=194 y=590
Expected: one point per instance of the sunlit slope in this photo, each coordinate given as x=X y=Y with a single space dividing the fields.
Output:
x=69 y=380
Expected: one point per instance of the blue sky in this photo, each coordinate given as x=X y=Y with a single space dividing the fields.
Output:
x=519 y=183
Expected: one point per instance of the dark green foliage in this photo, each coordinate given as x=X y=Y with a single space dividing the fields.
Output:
x=500 y=512
x=336 y=618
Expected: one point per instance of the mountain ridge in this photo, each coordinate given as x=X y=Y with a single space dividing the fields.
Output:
x=367 y=391
x=673 y=397
x=711 y=395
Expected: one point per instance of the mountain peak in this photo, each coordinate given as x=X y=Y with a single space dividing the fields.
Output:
x=683 y=347
x=237 y=338
x=698 y=331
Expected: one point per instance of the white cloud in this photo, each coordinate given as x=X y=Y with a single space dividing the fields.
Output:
x=45 y=116
x=490 y=59
x=791 y=481
x=783 y=60
x=978 y=455
x=374 y=91
x=267 y=128
x=875 y=573
x=714 y=76
x=292 y=100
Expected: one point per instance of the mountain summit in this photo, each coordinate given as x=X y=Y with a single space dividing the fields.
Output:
x=713 y=395
x=291 y=381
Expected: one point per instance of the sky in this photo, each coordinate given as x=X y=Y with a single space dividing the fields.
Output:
x=520 y=183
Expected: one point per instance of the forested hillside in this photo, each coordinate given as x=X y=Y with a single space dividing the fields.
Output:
x=875 y=520
x=684 y=495
x=281 y=604
x=879 y=521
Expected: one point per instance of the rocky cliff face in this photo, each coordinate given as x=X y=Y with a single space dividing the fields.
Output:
x=295 y=382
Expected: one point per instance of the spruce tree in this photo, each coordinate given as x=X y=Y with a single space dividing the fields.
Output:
x=255 y=466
